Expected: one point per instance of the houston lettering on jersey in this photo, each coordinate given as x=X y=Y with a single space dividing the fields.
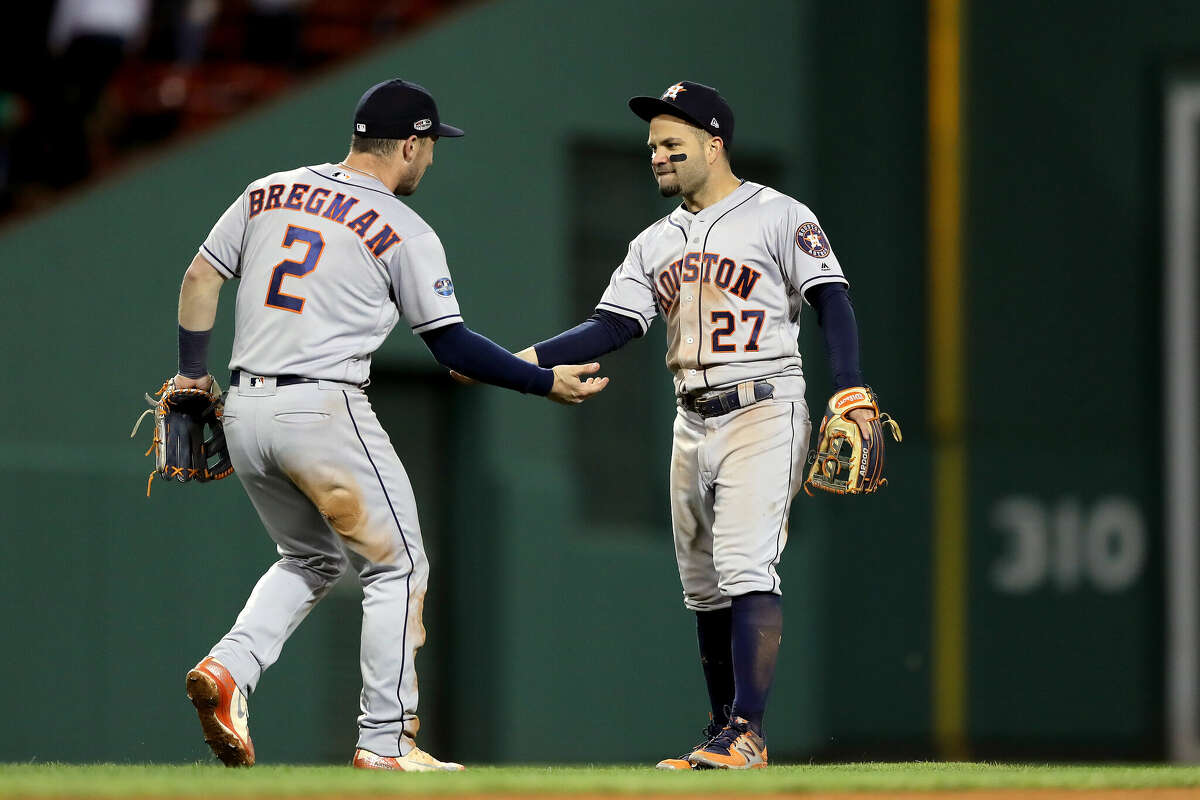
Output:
x=705 y=268
x=320 y=204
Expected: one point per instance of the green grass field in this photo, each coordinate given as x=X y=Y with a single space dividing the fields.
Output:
x=211 y=780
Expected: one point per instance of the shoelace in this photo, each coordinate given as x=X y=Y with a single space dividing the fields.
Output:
x=723 y=741
x=710 y=732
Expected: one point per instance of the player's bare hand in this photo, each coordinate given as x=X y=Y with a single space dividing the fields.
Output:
x=571 y=387
x=862 y=418
x=193 y=383
x=463 y=379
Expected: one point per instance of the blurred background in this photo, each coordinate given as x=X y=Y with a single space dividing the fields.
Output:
x=1011 y=187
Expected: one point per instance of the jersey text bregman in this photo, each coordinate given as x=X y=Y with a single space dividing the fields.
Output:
x=355 y=258
x=730 y=282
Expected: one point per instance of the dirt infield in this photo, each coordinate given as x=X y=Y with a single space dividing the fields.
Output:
x=969 y=794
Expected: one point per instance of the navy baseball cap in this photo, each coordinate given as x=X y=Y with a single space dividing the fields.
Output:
x=399 y=109
x=700 y=105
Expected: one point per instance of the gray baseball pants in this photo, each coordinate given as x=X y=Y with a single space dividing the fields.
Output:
x=325 y=480
x=733 y=478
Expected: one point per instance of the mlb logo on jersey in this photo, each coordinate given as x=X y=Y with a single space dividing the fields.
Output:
x=811 y=239
x=444 y=287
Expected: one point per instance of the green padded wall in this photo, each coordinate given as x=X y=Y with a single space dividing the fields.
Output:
x=555 y=633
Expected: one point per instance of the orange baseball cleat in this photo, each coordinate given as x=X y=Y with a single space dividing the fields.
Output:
x=735 y=747
x=223 y=712
x=710 y=732
x=416 y=760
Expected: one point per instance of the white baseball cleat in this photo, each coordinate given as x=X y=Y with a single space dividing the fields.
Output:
x=224 y=715
x=417 y=760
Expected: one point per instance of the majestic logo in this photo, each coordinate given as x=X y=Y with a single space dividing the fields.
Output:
x=811 y=239
x=361 y=127
x=714 y=123
x=444 y=287
x=673 y=92
x=423 y=124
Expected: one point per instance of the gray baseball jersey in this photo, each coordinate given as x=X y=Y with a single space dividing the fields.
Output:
x=328 y=260
x=729 y=281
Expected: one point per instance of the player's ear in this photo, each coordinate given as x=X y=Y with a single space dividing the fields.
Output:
x=715 y=145
x=410 y=148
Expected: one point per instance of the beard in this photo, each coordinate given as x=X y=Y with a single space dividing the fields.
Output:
x=668 y=189
x=407 y=187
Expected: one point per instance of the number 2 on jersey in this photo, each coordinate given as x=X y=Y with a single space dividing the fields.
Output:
x=315 y=242
x=727 y=318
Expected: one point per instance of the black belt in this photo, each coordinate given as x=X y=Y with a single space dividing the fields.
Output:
x=280 y=380
x=714 y=404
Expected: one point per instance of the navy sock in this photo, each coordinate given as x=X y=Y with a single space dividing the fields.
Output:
x=757 y=627
x=716 y=657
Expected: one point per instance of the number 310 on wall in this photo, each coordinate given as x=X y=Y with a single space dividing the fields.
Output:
x=1064 y=544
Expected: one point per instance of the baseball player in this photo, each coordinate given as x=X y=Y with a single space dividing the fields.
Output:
x=328 y=259
x=729 y=271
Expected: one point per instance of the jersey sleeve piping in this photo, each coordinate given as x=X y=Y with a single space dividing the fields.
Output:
x=637 y=316
x=439 y=322
x=217 y=263
x=817 y=280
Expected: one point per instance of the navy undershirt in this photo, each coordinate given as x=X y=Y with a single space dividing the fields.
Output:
x=605 y=331
x=835 y=315
x=600 y=333
x=462 y=350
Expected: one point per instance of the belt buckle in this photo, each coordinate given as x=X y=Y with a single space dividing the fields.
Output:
x=690 y=401
x=709 y=405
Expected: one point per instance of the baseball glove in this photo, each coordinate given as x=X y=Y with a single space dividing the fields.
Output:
x=189 y=440
x=844 y=462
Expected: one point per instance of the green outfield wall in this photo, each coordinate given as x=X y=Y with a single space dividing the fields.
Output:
x=556 y=628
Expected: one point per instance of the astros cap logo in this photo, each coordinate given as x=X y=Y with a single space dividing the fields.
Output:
x=673 y=92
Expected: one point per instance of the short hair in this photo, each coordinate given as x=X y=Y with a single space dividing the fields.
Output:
x=703 y=136
x=377 y=147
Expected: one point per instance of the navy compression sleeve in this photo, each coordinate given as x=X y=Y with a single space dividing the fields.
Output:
x=835 y=315
x=462 y=350
x=600 y=333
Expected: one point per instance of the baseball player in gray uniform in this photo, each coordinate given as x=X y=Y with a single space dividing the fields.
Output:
x=729 y=270
x=328 y=260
